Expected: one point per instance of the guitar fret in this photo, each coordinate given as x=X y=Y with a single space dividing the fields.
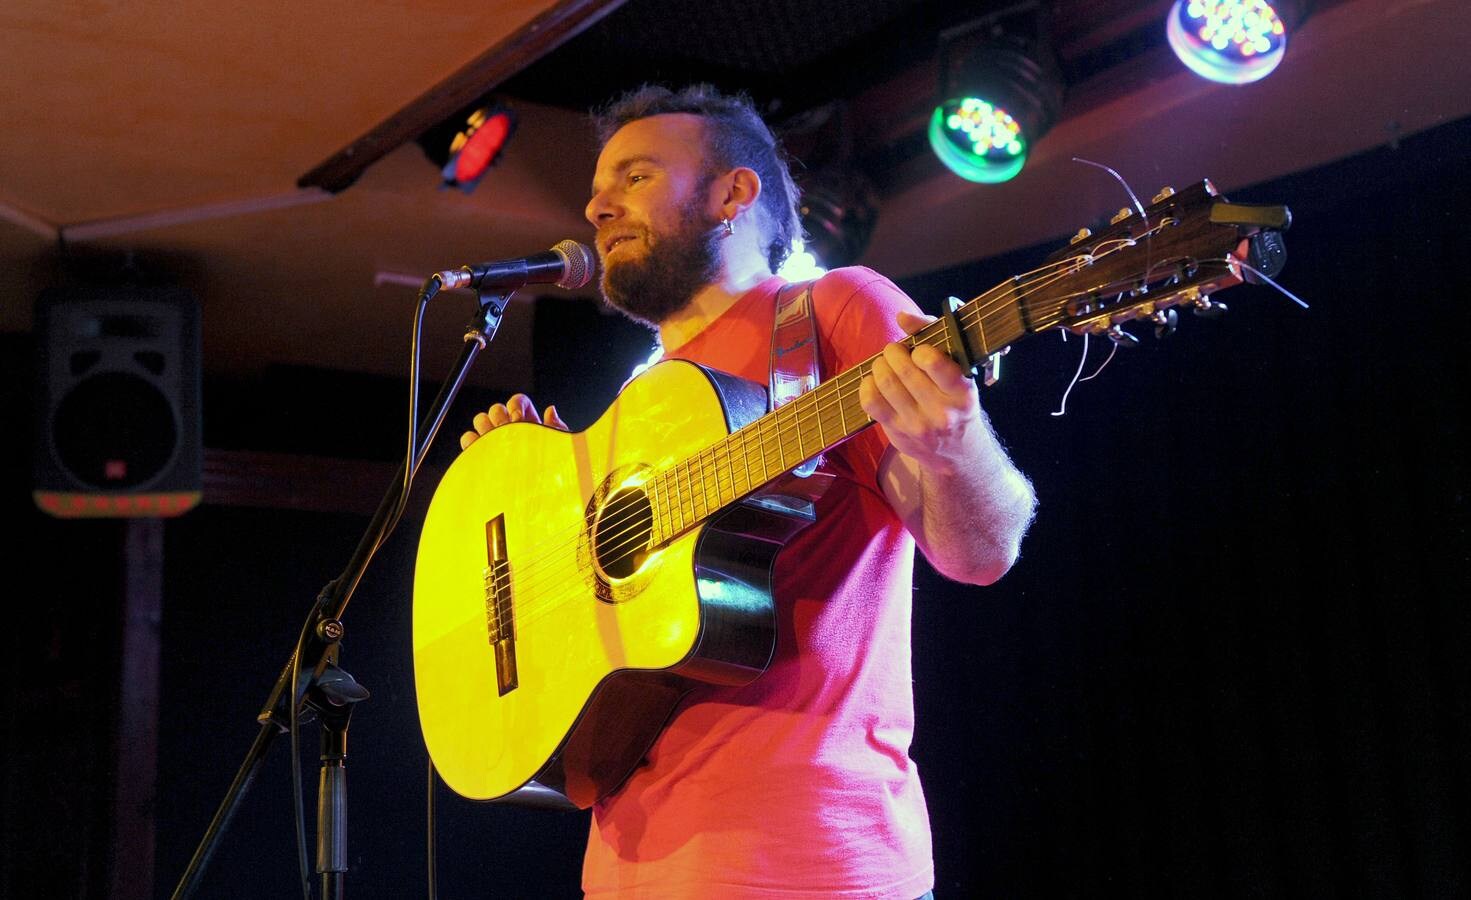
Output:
x=704 y=489
x=817 y=408
x=712 y=479
x=745 y=458
x=795 y=416
x=678 y=500
x=697 y=483
x=728 y=487
x=720 y=459
x=789 y=463
x=686 y=496
x=661 y=504
x=841 y=392
x=709 y=476
x=651 y=492
x=761 y=445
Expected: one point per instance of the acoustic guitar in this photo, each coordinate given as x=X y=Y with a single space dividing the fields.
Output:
x=571 y=588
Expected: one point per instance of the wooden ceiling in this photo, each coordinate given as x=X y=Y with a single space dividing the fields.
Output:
x=179 y=139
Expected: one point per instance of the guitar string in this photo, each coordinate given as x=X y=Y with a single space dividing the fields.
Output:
x=711 y=456
x=721 y=456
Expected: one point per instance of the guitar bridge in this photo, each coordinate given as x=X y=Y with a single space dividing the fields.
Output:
x=500 y=623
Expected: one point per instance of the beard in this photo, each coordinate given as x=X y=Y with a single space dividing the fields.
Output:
x=655 y=286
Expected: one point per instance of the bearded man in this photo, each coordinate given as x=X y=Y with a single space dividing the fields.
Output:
x=798 y=785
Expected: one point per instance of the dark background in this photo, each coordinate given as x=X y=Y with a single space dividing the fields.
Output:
x=1232 y=660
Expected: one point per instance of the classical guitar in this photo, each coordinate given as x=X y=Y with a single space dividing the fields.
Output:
x=570 y=588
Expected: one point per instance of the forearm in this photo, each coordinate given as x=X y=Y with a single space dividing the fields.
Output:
x=946 y=476
x=972 y=518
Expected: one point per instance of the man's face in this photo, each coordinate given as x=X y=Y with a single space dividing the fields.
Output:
x=656 y=217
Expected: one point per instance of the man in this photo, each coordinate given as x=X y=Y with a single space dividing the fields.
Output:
x=798 y=785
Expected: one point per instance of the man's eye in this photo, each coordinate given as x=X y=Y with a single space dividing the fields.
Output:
x=635 y=179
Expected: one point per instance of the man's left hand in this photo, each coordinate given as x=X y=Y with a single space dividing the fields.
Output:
x=927 y=407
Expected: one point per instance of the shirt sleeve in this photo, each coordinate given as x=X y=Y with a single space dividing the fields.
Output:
x=857 y=315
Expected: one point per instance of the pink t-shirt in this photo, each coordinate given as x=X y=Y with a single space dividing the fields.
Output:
x=800 y=784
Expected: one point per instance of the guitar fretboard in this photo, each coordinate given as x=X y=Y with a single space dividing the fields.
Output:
x=686 y=493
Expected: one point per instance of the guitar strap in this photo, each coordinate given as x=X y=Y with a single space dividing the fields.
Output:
x=795 y=362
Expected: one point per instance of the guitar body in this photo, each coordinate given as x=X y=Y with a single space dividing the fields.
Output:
x=547 y=654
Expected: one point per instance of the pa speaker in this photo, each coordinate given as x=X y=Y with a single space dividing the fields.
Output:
x=118 y=430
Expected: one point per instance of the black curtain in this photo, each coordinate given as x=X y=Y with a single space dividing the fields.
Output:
x=1233 y=658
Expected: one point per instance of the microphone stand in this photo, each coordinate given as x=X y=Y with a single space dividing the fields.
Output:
x=320 y=684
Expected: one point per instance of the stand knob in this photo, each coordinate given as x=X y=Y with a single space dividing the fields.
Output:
x=330 y=630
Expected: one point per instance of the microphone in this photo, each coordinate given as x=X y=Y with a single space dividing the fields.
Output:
x=567 y=265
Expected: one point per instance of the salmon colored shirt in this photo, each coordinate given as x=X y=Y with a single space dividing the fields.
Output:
x=800 y=784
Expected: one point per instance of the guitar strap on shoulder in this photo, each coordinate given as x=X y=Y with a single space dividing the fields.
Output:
x=795 y=361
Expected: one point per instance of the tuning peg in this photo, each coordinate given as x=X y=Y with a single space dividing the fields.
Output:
x=1165 y=322
x=1121 y=338
x=1207 y=308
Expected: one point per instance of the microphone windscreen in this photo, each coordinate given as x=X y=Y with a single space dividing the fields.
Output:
x=579 y=264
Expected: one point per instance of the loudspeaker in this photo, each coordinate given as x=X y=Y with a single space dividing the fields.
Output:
x=118 y=430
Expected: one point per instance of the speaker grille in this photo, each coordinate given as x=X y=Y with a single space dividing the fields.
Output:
x=115 y=431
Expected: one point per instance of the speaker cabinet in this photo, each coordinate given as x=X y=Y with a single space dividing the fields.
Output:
x=118 y=430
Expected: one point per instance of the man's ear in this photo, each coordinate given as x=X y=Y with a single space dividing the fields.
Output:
x=741 y=186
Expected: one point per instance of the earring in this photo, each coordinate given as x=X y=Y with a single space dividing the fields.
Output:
x=729 y=227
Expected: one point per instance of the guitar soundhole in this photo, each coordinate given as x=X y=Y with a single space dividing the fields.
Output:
x=622 y=532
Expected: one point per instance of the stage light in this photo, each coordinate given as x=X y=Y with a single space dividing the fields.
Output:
x=466 y=146
x=801 y=265
x=839 y=210
x=999 y=94
x=1232 y=41
x=978 y=140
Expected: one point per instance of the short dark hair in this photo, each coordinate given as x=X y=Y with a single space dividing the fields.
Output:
x=735 y=135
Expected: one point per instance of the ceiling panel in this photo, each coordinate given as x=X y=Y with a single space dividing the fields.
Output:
x=119 y=109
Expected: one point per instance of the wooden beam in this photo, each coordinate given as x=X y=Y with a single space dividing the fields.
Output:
x=537 y=38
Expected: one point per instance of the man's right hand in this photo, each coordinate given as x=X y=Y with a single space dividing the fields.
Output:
x=516 y=409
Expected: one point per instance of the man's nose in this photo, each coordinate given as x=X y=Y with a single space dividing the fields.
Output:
x=600 y=209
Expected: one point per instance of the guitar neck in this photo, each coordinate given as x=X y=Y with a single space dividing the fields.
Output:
x=689 y=491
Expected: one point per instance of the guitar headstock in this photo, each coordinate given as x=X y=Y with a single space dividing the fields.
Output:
x=1185 y=247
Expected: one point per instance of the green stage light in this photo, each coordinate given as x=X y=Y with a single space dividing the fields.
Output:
x=1000 y=91
x=977 y=140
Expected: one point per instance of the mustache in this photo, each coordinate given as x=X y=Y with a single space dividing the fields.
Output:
x=604 y=234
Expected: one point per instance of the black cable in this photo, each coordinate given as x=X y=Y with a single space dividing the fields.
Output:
x=306 y=884
x=431 y=287
x=410 y=469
